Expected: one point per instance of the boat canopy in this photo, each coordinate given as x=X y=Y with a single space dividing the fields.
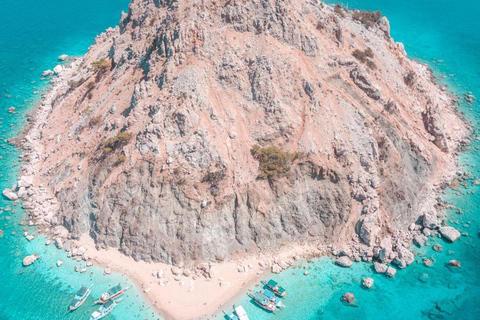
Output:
x=269 y=294
x=114 y=290
x=75 y=302
x=274 y=285
x=108 y=303
x=261 y=298
x=82 y=291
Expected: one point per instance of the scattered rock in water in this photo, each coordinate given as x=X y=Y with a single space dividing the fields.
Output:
x=449 y=233
x=344 y=262
x=107 y=271
x=306 y=273
x=89 y=263
x=63 y=57
x=48 y=242
x=437 y=247
x=427 y=262
x=349 y=299
x=28 y=260
x=47 y=73
x=10 y=195
x=59 y=263
x=391 y=272
x=423 y=277
x=454 y=263
x=380 y=267
x=76 y=269
x=367 y=282
x=276 y=268
x=57 y=69
x=83 y=270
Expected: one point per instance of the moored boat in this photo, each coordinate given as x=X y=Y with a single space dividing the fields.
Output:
x=105 y=309
x=80 y=297
x=112 y=293
x=273 y=298
x=238 y=313
x=261 y=300
x=275 y=288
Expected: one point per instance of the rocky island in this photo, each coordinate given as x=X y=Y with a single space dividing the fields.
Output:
x=200 y=133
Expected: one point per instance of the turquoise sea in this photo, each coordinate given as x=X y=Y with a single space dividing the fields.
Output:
x=445 y=34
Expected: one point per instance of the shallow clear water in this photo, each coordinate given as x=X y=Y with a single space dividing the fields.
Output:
x=32 y=35
x=445 y=34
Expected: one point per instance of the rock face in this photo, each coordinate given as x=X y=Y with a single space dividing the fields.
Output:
x=449 y=233
x=148 y=143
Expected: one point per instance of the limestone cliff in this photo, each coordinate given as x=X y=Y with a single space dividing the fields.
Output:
x=148 y=143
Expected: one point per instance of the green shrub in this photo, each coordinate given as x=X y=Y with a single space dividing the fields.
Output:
x=368 y=18
x=119 y=141
x=410 y=78
x=120 y=159
x=273 y=161
x=339 y=10
x=95 y=121
x=75 y=84
x=101 y=65
x=365 y=57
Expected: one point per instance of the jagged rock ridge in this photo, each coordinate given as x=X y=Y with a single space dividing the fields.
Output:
x=197 y=84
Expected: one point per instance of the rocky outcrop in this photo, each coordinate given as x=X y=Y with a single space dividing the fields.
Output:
x=146 y=142
x=449 y=233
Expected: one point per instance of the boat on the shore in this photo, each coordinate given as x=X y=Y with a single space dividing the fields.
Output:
x=273 y=298
x=80 y=297
x=275 y=287
x=262 y=301
x=105 y=309
x=112 y=293
x=238 y=313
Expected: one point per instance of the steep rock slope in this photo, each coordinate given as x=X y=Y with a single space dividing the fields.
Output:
x=156 y=144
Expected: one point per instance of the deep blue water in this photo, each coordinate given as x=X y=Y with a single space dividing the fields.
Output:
x=444 y=33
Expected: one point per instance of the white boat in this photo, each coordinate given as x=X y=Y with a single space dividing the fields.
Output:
x=238 y=314
x=80 y=297
x=104 y=310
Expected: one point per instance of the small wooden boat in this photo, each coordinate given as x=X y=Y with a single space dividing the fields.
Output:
x=261 y=300
x=80 y=297
x=105 y=309
x=273 y=298
x=112 y=293
x=275 y=288
x=238 y=314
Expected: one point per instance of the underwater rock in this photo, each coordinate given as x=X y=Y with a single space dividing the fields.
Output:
x=367 y=282
x=454 y=263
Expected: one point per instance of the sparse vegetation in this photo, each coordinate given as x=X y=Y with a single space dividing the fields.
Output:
x=95 y=121
x=101 y=65
x=339 y=10
x=274 y=162
x=410 y=78
x=120 y=159
x=365 y=57
x=75 y=84
x=368 y=18
x=119 y=141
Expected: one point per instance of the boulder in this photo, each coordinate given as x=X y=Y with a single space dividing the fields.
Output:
x=176 y=271
x=28 y=260
x=63 y=57
x=430 y=221
x=59 y=263
x=404 y=258
x=349 y=299
x=454 y=263
x=47 y=73
x=368 y=230
x=344 y=262
x=437 y=247
x=10 y=195
x=449 y=233
x=385 y=250
x=380 y=267
x=419 y=240
x=159 y=273
x=391 y=272
x=367 y=282
x=57 y=69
